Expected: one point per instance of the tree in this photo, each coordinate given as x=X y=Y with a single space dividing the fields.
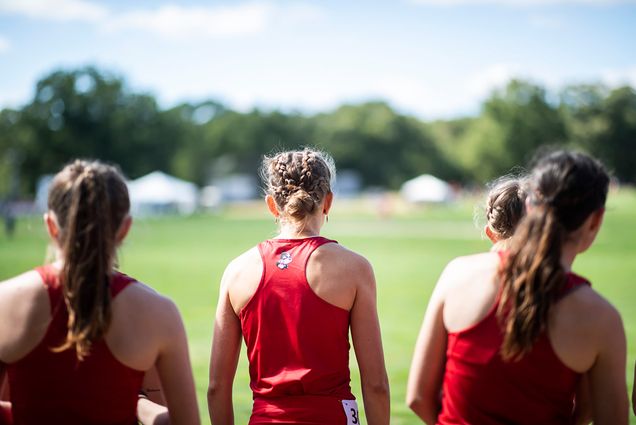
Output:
x=603 y=122
x=90 y=114
x=514 y=123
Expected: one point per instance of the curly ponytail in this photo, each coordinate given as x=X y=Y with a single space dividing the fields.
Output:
x=564 y=188
x=90 y=201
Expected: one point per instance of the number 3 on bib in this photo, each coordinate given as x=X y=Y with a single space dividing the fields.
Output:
x=351 y=412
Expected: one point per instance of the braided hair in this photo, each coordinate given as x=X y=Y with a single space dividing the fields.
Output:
x=505 y=206
x=298 y=181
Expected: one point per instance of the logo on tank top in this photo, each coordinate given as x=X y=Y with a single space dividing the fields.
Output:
x=284 y=261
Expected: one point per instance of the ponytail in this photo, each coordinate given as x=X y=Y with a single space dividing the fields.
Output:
x=532 y=279
x=565 y=188
x=90 y=219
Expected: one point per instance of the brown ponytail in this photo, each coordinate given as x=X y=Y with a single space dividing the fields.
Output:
x=564 y=189
x=90 y=201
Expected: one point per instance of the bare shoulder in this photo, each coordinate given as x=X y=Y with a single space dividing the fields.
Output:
x=592 y=310
x=336 y=259
x=25 y=313
x=21 y=295
x=141 y=301
x=248 y=265
x=468 y=270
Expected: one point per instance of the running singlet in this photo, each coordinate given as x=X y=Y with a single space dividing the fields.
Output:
x=57 y=388
x=297 y=343
x=480 y=388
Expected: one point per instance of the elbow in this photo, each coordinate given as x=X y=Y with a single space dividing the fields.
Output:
x=415 y=403
x=217 y=390
x=422 y=407
x=213 y=391
x=379 y=388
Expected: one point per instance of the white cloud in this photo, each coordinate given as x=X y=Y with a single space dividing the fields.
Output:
x=173 y=21
x=483 y=82
x=187 y=22
x=517 y=3
x=55 y=10
x=4 y=44
x=619 y=76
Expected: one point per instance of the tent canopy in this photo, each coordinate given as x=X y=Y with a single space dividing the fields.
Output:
x=426 y=188
x=157 y=191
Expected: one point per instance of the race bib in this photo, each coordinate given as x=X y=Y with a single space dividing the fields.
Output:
x=351 y=412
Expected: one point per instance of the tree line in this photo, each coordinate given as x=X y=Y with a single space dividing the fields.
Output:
x=91 y=113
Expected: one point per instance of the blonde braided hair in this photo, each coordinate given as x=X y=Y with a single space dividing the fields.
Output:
x=298 y=181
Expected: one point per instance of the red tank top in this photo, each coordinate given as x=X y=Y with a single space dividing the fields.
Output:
x=56 y=388
x=297 y=343
x=481 y=388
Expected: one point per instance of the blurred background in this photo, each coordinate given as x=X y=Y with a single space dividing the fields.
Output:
x=460 y=89
x=420 y=102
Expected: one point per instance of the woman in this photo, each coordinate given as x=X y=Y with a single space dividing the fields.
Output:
x=76 y=336
x=292 y=299
x=507 y=336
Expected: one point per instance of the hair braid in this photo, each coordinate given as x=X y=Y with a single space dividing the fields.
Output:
x=298 y=181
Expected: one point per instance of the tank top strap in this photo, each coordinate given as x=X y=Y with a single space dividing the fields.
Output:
x=573 y=282
x=51 y=280
x=288 y=254
x=309 y=246
x=119 y=282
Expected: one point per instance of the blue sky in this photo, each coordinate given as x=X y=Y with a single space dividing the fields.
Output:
x=430 y=58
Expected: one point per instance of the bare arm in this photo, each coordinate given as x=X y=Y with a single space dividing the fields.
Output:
x=634 y=391
x=151 y=408
x=367 y=342
x=151 y=413
x=583 y=402
x=610 y=404
x=175 y=372
x=429 y=359
x=224 y=357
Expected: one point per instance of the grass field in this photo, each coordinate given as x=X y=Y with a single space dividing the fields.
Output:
x=185 y=257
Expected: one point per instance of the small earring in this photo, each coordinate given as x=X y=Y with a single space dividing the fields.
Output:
x=276 y=219
x=327 y=218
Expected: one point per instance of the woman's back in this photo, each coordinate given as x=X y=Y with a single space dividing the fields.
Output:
x=479 y=386
x=298 y=343
x=76 y=337
x=293 y=299
x=98 y=389
x=101 y=388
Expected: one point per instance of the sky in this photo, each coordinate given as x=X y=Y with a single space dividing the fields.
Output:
x=434 y=59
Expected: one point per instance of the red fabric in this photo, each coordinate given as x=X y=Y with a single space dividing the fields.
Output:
x=5 y=415
x=297 y=343
x=51 y=388
x=480 y=388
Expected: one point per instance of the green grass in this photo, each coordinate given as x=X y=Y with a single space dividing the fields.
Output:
x=185 y=257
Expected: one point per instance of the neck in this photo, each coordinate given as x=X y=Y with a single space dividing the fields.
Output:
x=310 y=227
x=568 y=254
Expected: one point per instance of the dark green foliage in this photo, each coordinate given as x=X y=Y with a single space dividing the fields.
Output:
x=90 y=113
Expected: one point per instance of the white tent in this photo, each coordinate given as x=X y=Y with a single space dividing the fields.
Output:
x=426 y=188
x=158 y=192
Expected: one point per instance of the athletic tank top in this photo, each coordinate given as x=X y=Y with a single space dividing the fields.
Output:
x=57 y=388
x=481 y=388
x=297 y=343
